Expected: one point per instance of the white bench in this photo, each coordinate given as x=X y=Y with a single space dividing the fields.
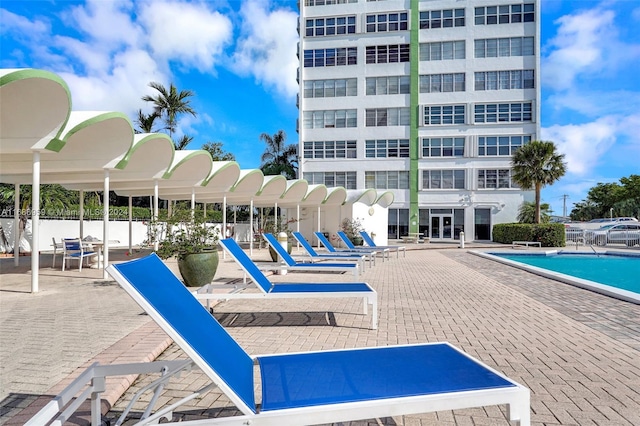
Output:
x=515 y=244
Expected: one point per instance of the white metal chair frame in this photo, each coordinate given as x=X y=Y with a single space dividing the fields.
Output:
x=73 y=249
x=56 y=246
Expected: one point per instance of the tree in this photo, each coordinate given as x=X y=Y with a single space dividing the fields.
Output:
x=278 y=158
x=536 y=165
x=169 y=104
x=145 y=122
x=217 y=153
x=623 y=198
x=183 y=142
x=53 y=197
x=527 y=212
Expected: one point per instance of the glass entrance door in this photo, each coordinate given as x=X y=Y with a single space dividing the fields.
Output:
x=441 y=227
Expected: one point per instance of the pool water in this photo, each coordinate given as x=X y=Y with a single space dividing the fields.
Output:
x=617 y=271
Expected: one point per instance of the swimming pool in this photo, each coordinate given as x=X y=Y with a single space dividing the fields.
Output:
x=616 y=274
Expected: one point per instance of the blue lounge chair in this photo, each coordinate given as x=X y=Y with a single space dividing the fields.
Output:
x=370 y=243
x=290 y=263
x=327 y=244
x=269 y=290
x=314 y=255
x=296 y=388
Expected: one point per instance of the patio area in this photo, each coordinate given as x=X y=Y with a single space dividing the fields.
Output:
x=577 y=351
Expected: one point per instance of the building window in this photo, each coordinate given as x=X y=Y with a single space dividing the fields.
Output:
x=330 y=149
x=339 y=118
x=330 y=88
x=442 y=147
x=443 y=114
x=392 y=85
x=505 y=14
x=337 y=25
x=502 y=47
x=436 y=83
x=503 y=112
x=447 y=18
x=442 y=50
x=504 y=80
x=324 y=2
x=387 y=179
x=381 y=117
x=384 y=54
x=386 y=22
x=314 y=58
x=331 y=179
x=495 y=179
x=443 y=179
x=387 y=148
x=500 y=145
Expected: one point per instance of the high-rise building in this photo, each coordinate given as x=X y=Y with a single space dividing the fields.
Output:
x=428 y=99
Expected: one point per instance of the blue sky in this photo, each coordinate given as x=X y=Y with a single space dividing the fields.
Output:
x=239 y=59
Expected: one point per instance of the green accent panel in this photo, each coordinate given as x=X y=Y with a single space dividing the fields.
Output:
x=55 y=145
x=414 y=145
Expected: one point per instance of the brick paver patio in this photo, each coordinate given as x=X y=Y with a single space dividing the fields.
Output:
x=577 y=351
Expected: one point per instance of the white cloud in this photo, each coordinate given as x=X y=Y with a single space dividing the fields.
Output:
x=108 y=23
x=187 y=33
x=267 y=46
x=579 y=47
x=595 y=103
x=120 y=89
x=583 y=144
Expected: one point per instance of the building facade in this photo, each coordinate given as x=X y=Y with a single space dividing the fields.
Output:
x=428 y=99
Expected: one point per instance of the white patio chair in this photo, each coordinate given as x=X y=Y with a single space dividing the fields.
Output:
x=56 y=246
x=73 y=249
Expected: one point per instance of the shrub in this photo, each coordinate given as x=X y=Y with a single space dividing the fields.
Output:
x=548 y=234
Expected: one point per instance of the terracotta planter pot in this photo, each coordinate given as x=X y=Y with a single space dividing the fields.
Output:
x=198 y=269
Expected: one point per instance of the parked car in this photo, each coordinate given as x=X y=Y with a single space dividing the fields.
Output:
x=620 y=233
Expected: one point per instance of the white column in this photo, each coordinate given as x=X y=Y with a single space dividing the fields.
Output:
x=16 y=226
x=251 y=228
x=105 y=227
x=35 y=224
x=154 y=218
x=81 y=215
x=193 y=202
x=298 y=223
x=130 y=224
x=224 y=223
x=275 y=218
x=318 y=225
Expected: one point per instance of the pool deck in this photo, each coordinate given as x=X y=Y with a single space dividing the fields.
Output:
x=578 y=351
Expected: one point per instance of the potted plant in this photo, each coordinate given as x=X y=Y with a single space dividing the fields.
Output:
x=194 y=243
x=352 y=228
x=273 y=227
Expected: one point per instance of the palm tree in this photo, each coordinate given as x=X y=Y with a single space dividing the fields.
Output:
x=527 y=212
x=53 y=198
x=536 y=165
x=183 y=142
x=145 y=122
x=169 y=104
x=278 y=158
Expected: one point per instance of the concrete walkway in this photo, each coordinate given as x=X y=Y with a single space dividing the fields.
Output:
x=577 y=351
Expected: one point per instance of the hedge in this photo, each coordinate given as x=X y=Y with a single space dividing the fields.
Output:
x=116 y=213
x=548 y=234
